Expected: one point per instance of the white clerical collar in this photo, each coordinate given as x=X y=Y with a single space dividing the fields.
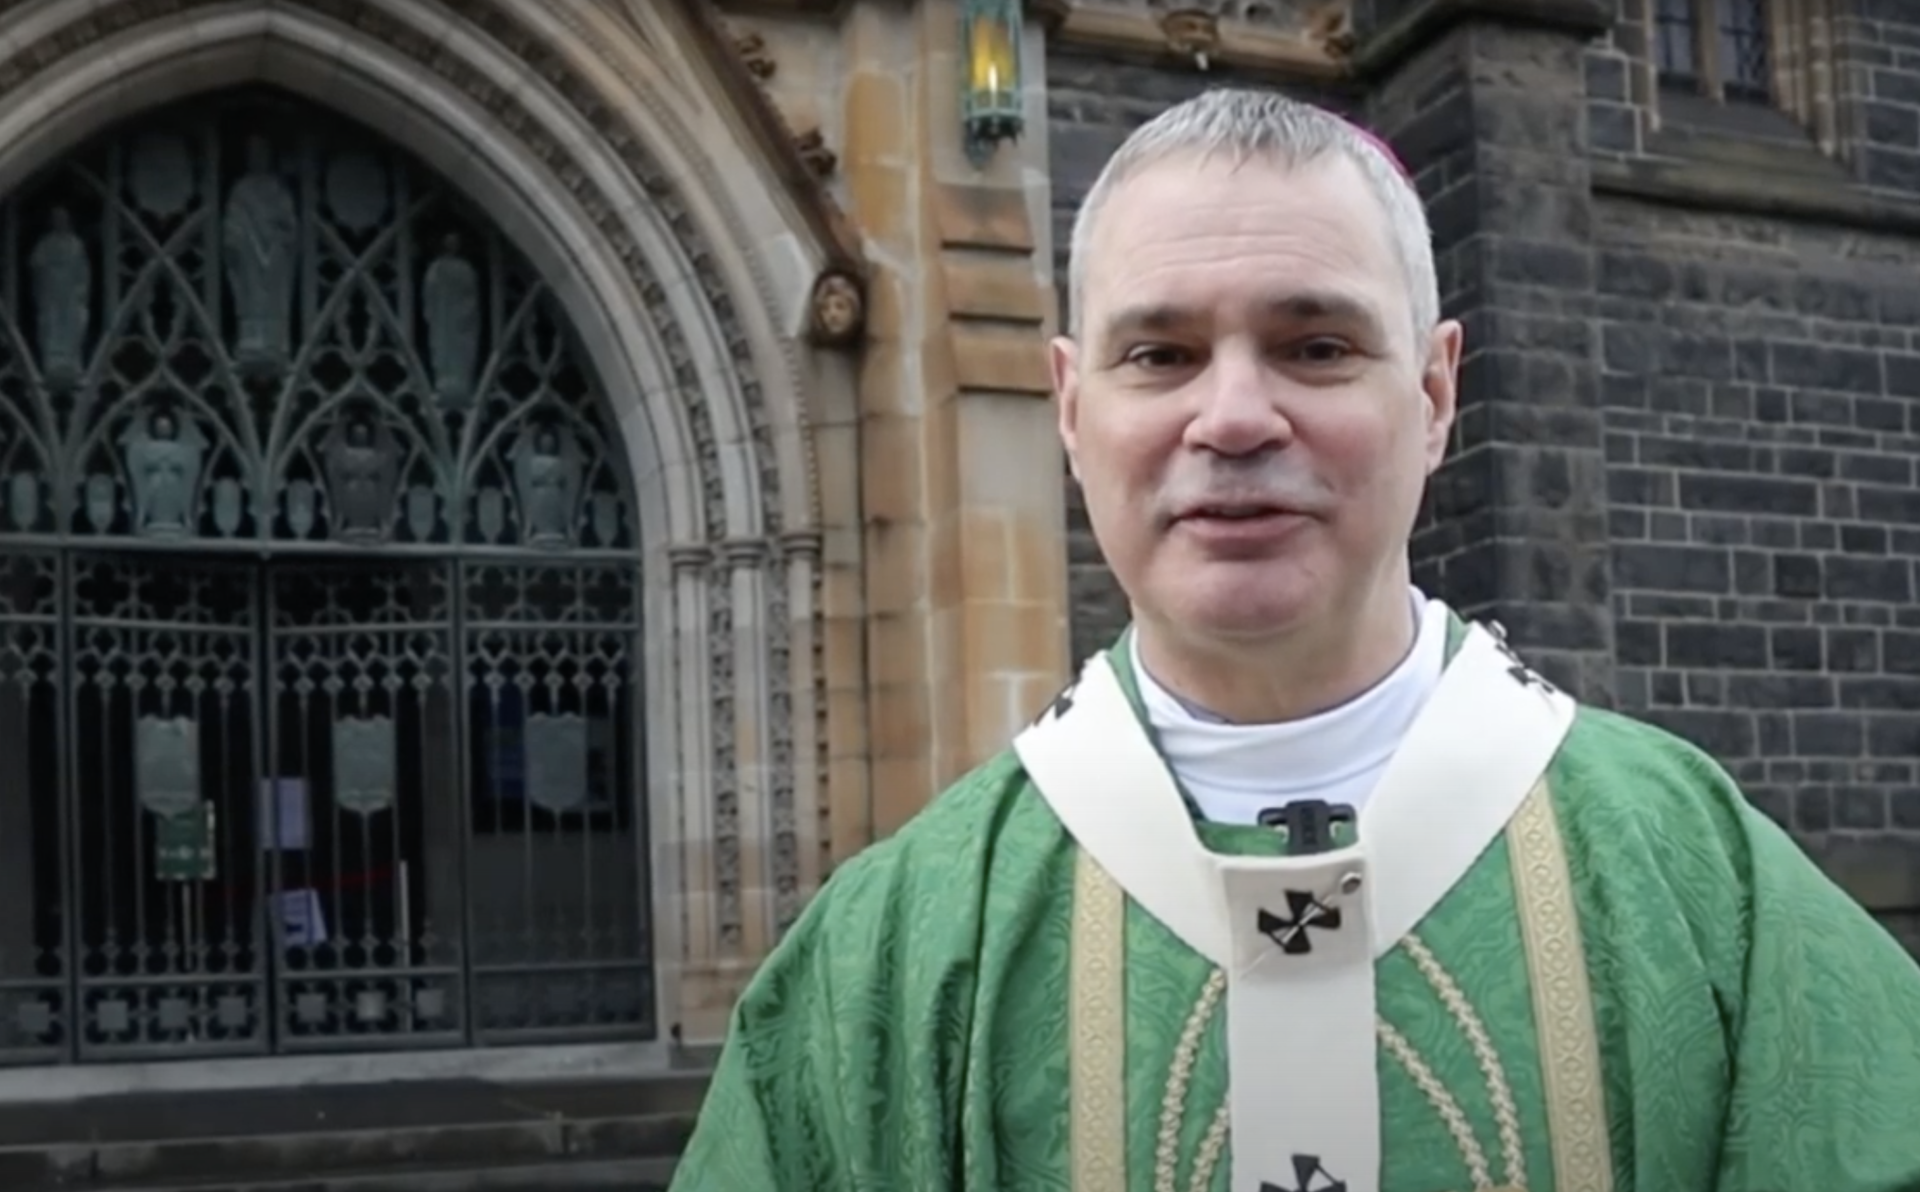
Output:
x=1299 y=758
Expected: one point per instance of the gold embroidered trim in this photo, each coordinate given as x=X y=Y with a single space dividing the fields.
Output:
x=1211 y=1148
x=1096 y=1009
x=1442 y=1101
x=1562 y=999
x=1173 y=1100
x=1505 y=1114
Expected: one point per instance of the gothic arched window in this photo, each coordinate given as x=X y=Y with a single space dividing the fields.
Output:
x=320 y=633
x=1719 y=48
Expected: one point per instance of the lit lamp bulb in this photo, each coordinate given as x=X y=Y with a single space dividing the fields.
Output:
x=990 y=49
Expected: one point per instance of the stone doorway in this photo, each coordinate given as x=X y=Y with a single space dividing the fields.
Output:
x=320 y=612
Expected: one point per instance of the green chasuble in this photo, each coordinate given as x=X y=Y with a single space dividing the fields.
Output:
x=1617 y=977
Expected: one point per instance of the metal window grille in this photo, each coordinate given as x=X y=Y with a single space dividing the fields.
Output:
x=320 y=630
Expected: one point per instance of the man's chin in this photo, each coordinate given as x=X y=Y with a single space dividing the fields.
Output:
x=1241 y=602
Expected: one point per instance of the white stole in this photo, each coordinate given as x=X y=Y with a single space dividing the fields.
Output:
x=1297 y=936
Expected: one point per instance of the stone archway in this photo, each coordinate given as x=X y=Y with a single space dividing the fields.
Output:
x=331 y=737
x=684 y=321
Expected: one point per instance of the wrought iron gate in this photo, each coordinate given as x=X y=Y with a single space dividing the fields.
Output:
x=319 y=620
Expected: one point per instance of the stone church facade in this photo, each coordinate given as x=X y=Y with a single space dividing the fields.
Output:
x=500 y=498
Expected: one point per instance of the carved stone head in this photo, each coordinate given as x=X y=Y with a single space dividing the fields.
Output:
x=1191 y=31
x=163 y=426
x=359 y=433
x=839 y=314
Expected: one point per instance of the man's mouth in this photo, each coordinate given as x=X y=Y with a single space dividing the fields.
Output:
x=1235 y=512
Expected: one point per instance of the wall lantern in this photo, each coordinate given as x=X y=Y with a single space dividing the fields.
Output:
x=991 y=107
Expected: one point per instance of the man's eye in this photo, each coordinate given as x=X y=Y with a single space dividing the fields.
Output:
x=1323 y=351
x=1157 y=356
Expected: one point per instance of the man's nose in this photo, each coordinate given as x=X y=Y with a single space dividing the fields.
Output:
x=1238 y=408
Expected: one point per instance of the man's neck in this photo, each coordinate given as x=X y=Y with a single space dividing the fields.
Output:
x=1306 y=671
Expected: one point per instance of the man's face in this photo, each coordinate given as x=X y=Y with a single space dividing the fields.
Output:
x=1249 y=410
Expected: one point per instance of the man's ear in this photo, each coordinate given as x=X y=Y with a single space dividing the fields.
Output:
x=1440 y=383
x=1063 y=360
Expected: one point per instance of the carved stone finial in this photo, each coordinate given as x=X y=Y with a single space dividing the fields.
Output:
x=813 y=150
x=839 y=312
x=753 y=51
x=1192 y=32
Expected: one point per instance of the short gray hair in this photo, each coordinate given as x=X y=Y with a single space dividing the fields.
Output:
x=1244 y=124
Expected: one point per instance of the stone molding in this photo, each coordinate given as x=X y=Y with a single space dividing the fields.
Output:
x=738 y=67
x=1298 y=38
x=1386 y=44
x=1781 y=194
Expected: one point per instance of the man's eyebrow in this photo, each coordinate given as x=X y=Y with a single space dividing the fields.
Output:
x=1317 y=305
x=1146 y=317
x=1298 y=306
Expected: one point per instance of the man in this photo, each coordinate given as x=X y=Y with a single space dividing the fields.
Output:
x=1305 y=884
